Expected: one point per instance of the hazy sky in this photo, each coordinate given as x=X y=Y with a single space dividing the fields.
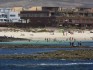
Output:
x=27 y=3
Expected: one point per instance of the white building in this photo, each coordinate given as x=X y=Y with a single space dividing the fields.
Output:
x=13 y=17
x=5 y=10
x=3 y=17
x=6 y=15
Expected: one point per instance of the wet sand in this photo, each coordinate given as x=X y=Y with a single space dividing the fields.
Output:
x=77 y=54
x=39 y=46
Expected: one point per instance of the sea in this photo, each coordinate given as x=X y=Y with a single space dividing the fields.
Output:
x=43 y=64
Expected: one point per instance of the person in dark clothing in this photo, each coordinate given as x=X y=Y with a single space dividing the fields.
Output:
x=71 y=43
x=79 y=43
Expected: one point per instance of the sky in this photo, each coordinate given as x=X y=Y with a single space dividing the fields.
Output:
x=28 y=3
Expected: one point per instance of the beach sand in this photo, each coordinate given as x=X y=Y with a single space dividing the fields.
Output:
x=85 y=35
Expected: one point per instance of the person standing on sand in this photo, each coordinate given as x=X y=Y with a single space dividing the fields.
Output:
x=45 y=39
x=71 y=41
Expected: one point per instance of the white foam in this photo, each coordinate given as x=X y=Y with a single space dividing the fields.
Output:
x=43 y=64
x=52 y=64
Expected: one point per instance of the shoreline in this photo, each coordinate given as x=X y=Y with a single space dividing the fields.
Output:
x=39 y=46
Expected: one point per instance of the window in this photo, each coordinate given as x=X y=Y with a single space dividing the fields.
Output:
x=4 y=15
x=4 y=19
x=1 y=19
x=0 y=16
x=12 y=15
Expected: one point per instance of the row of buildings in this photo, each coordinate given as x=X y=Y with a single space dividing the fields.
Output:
x=48 y=16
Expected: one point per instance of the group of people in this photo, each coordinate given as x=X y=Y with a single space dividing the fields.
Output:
x=48 y=39
x=79 y=43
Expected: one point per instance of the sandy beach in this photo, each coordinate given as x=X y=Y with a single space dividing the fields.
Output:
x=56 y=35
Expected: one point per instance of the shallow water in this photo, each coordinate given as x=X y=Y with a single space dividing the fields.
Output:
x=50 y=43
x=27 y=50
x=50 y=64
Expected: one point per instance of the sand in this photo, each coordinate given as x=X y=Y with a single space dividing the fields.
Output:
x=64 y=36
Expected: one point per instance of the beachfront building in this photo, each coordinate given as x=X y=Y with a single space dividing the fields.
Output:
x=17 y=9
x=52 y=9
x=7 y=15
x=3 y=17
x=13 y=17
x=37 y=18
x=58 y=16
x=36 y=8
x=79 y=17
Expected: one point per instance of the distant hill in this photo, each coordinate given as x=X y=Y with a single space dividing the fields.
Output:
x=28 y=3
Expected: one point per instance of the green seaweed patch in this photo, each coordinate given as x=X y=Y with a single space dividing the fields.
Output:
x=62 y=54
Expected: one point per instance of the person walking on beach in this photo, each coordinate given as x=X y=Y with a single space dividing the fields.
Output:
x=72 y=41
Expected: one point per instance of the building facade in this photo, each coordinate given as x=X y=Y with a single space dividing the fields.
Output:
x=7 y=15
x=57 y=16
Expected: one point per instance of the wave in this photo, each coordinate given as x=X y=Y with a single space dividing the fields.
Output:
x=43 y=64
x=49 y=64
